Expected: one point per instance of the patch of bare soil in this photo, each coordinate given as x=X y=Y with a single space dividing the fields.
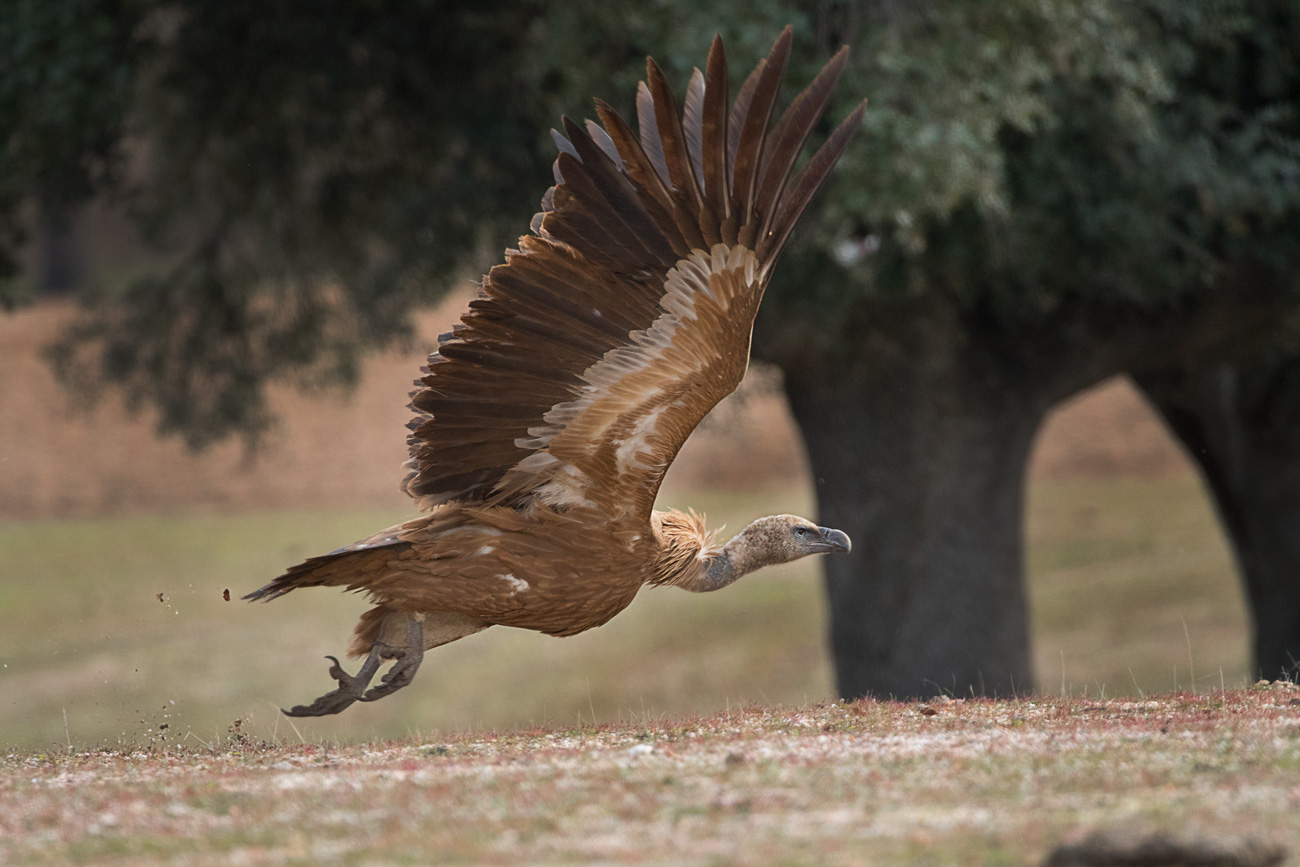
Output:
x=345 y=450
x=1174 y=779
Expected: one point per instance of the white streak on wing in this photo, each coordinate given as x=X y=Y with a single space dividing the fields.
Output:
x=486 y=549
x=566 y=490
x=689 y=279
x=517 y=585
x=637 y=442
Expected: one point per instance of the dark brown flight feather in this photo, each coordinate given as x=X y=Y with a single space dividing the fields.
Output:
x=714 y=155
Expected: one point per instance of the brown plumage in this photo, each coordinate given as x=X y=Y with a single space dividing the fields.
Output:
x=547 y=418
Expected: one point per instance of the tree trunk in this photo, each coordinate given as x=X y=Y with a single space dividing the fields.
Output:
x=919 y=418
x=922 y=465
x=1241 y=423
x=61 y=255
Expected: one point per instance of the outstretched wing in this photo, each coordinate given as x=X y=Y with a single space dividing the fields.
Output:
x=626 y=315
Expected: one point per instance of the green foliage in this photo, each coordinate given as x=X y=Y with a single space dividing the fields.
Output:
x=1022 y=159
x=66 y=76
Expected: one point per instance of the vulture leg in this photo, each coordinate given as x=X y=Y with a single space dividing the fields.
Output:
x=351 y=688
x=408 y=661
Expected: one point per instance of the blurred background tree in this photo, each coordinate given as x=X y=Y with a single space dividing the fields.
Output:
x=1045 y=194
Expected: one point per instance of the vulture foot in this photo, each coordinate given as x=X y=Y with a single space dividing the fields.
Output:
x=352 y=688
x=408 y=662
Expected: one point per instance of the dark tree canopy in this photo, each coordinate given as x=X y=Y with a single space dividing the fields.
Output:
x=67 y=73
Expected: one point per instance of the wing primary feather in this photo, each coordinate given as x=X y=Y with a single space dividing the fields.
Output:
x=564 y=283
x=753 y=131
x=612 y=188
x=713 y=134
x=577 y=223
x=561 y=262
x=601 y=138
x=806 y=183
x=736 y=118
x=671 y=136
x=655 y=197
x=693 y=126
x=684 y=217
x=649 y=127
x=788 y=136
x=615 y=324
x=565 y=146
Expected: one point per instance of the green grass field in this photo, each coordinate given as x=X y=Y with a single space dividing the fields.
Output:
x=1131 y=586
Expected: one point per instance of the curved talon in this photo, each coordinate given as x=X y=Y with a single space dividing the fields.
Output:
x=353 y=688
x=401 y=675
x=349 y=691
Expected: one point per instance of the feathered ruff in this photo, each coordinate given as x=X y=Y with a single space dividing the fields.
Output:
x=684 y=546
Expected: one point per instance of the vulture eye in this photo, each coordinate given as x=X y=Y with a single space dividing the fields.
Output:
x=801 y=531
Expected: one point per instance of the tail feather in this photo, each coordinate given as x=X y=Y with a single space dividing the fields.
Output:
x=354 y=566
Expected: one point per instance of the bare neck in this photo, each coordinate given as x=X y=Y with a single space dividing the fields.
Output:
x=724 y=567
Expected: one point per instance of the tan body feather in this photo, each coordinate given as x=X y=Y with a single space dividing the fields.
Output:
x=546 y=572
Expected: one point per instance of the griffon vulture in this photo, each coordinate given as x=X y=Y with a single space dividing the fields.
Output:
x=546 y=419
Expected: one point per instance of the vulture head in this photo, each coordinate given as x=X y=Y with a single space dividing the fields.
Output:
x=783 y=538
x=769 y=541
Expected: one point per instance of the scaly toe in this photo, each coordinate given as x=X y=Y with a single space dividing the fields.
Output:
x=350 y=688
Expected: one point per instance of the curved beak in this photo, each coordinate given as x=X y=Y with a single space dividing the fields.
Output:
x=833 y=541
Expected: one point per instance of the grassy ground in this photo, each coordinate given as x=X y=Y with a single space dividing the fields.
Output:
x=977 y=782
x=111 y=629
x=1133 y=588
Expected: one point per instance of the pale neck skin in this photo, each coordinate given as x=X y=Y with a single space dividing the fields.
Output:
x=742 y=555
x=720 y=572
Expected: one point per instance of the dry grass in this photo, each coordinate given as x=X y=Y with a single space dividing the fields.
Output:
x=963 y=782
